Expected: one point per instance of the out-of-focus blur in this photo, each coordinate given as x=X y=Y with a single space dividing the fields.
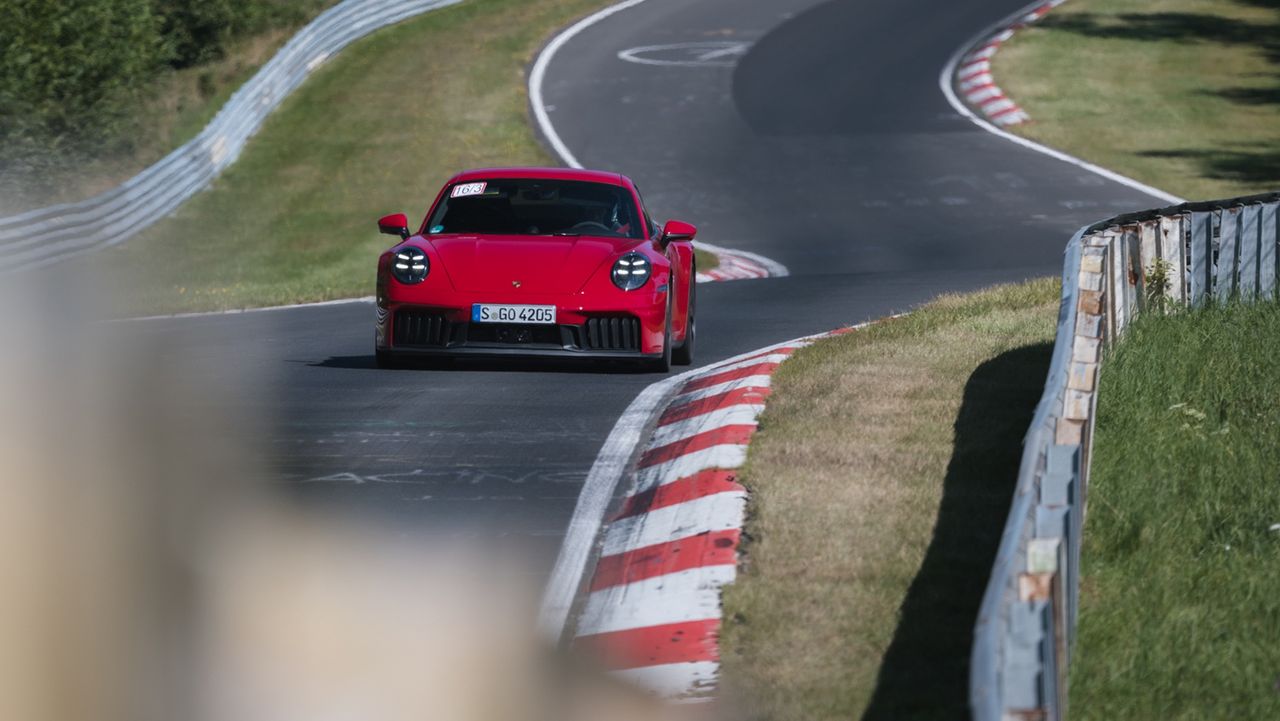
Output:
x=149 y=574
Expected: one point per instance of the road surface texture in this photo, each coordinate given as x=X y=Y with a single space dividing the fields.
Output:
x=812 y=133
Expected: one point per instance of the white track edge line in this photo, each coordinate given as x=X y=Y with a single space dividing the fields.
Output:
x=539 y=71
x=944 y=82
x=611 y=464
x=242 y=311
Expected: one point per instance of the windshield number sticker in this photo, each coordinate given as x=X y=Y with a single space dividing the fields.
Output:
x=463 y=190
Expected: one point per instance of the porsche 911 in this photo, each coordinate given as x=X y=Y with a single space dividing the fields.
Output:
x=537 y=262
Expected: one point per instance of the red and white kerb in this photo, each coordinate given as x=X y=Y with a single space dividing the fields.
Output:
x=973 y=76
x=652 y=610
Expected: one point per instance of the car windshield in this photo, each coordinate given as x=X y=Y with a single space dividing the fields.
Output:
x=526 y=206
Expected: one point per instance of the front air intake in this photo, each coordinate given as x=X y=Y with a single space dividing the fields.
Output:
x=419 y=329
x=616 y=333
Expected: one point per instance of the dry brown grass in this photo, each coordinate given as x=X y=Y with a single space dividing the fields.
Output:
x=880 y=479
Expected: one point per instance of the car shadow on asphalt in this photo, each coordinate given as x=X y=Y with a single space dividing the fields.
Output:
x=925 y=671
x=492 y=365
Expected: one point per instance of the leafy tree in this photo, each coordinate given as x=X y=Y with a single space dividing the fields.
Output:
x=71 y=70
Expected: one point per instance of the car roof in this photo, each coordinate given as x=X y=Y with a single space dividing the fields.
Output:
x=590 y=176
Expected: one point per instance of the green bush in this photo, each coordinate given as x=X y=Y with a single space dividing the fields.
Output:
x=75 y=71
x=197 y=31
x=72 y=70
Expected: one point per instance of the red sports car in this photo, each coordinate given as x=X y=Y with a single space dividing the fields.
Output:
x=537 y=262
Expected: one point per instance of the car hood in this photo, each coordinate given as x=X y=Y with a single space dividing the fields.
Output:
x=541 y=264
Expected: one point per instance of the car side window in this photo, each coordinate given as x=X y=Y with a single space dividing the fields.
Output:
x=654 y=229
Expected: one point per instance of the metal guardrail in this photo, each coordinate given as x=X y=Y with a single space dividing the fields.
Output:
x=47 y=235
x=1187 y=254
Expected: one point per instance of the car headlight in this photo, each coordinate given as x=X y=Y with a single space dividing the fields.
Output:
x=631 y=271
x=410 y=265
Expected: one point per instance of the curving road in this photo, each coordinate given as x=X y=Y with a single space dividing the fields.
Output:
x=813 y=133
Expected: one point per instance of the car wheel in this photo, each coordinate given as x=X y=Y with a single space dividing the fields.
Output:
x=384 y=359
x=683 y=355
x=662 y=364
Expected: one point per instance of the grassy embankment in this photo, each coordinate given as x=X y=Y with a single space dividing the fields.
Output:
x=1181 y=94
x=377 y=130
x=880 y=481
x=1180 y=592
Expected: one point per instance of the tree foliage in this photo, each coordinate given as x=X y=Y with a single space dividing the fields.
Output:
x=71 y=70
x=75 y=71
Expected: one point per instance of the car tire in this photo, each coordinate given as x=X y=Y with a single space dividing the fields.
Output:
x=385 y=360
x=662 y=364
x=683 y=355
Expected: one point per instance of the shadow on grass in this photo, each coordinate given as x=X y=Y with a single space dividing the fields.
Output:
x=925 y=672
x=1250 y=96
x=1177 y=27
x=1260 y=167
x=1253 y=167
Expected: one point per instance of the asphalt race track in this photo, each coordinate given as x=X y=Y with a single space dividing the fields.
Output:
x=812 y=133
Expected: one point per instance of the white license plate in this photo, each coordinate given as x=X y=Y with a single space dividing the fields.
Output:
x=502 y=313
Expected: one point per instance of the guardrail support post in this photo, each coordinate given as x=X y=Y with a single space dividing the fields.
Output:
x=1228 y=254
x=1201 y=256
x=1267 y=253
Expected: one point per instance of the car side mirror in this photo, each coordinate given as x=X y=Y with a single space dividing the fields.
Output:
x=676 y=230
x=394 y=224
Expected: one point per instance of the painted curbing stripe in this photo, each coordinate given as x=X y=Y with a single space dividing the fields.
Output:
x=741 y=414
x=726 y=456
x=719 y=512
x=727 y=435
x=733 y=266
x=995 y=106
x=984 y=93
x=775 y=355
x=759 y=382
x=715 y=379
x=982 y=66
x=716 y=548
x=655 y=645
x=690 y=595
x=774 y=268
x=675 y=679
x=954 y=68
x=978 y=81
x=692 y=409
x=701 y=484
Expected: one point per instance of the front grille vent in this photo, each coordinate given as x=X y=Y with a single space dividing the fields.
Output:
x=618 y=333
x=419 y=328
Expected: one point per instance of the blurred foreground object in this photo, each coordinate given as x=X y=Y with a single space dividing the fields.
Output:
x=147 y=579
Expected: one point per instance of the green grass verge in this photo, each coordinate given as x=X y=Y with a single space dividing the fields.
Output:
x=1180 y=595
x=880 y=481
x=378 y=130
x=1180 y=94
